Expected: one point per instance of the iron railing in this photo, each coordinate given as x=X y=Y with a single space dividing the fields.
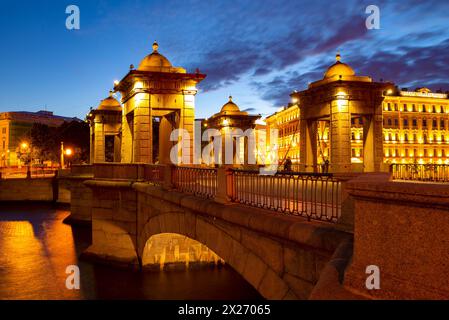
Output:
x=197 y=181
x=420 y=172
x=314 y=196
x=154 y=173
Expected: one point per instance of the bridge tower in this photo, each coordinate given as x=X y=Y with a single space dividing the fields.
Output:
x=105 y=123
x=157 y=98
x=339 y=98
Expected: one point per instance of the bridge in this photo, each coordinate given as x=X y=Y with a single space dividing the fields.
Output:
x=278 y=232
x=291 y=235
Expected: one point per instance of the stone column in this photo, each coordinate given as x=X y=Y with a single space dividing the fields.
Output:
x=340 y=136
x=127 y=136
x=187 y=123
x=372 y=143
x=308 y=144
x=143 y=127
x=165 y=145
x=99 y=139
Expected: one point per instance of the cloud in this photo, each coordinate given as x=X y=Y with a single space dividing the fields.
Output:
x=407 y=66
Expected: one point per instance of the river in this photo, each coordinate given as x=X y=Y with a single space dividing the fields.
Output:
x=36 y=247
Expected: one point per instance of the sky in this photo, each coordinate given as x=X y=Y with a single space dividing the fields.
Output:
x=258 y=51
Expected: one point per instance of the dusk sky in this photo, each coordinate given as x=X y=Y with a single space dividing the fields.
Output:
x=257 y=51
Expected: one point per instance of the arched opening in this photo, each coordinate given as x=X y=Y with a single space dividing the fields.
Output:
x=172 y=251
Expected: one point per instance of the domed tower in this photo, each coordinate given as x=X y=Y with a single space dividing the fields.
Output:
x=334 y=104
x=105 y=123
x=157 y=98
x=233 y=125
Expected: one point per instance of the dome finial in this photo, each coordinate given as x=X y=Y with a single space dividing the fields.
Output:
x=338 y=56
x=155 y=46
x=111 y=93
x=230 y=98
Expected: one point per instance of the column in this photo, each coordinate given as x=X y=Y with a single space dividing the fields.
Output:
x=340 y=136
x=373 y=143
x=308 y=145
x=187 y=122
x=99 y=155
x=165 y=145
x=143 y=127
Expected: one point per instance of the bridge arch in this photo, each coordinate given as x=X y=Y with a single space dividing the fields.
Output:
x=222 y=239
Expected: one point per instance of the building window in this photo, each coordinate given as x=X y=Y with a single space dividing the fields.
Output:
x=414 y=138
x=405 y=123
x=414 y=108
x=389 y=122
x=424 y=123
x=434 y=123
x=415 y=122
x=406 y=137
x=396 y=122
x=441 y=109
x=434 y=109
x=442 y=124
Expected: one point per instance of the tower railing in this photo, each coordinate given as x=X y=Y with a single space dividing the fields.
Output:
x=420 y=172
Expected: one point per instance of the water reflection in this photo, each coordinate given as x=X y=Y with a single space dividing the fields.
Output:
x=36 y=247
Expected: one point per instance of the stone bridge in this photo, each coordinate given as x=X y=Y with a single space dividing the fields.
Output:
x=146 y=216
x=138 y=224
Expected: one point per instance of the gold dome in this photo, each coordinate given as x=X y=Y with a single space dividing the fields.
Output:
x=110 y=104
x=230 y=107
x=154 y=60
x=339 y=69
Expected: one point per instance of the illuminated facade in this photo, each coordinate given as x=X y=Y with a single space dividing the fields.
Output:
x=416 y=127
x=15 y=128
x=360 y=125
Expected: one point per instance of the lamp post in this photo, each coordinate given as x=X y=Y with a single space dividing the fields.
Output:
x=68 y=153
x=62 y=155
x=27 y=150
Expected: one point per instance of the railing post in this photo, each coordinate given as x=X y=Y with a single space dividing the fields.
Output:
x=224 y=187
x=167 y=184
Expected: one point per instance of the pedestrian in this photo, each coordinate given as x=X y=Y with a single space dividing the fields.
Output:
x=288 y=165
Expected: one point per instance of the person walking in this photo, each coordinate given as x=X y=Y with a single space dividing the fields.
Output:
x=288 y=165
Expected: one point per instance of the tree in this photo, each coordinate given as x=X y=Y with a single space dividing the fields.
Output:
x=46 y=141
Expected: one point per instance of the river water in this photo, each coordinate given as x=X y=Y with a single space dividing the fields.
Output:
x=36 y=247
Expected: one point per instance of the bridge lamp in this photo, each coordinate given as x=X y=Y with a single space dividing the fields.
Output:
x=68 y=152
x=24 y=145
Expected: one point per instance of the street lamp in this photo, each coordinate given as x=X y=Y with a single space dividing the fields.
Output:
x=65 y=152
x=27 y=151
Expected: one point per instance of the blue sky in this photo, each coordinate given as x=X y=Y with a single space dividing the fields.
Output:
x=258 y=51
